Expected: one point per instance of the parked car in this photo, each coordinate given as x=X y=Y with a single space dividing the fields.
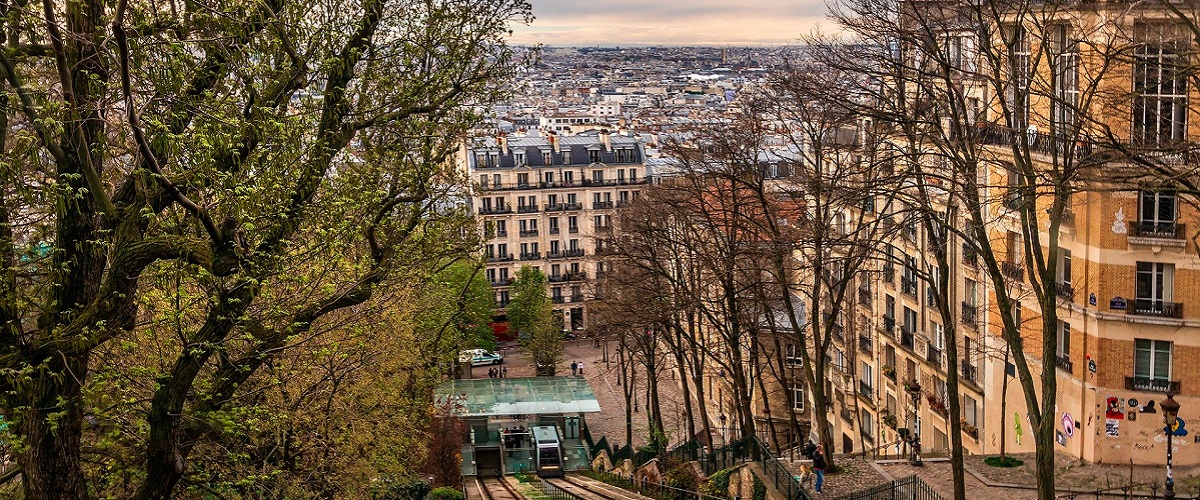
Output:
x=481 y=357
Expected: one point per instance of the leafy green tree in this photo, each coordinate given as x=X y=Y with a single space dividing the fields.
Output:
x=228 y=193
x=531 y=314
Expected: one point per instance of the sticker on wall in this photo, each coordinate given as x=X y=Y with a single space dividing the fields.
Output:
x=1133 y=401
x=1112 y=427
x=1132 y=415
x=1149 y=408
x=1177 y=428
x=1017 y=427
x=1118 y=226
x=1060 y=438
x=1114 y=409
x=1068 y=424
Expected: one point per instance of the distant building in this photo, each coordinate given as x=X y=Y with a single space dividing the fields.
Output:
x=548 y=202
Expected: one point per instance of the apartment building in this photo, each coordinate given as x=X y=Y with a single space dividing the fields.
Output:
x=548 y=202
x=1127 y=269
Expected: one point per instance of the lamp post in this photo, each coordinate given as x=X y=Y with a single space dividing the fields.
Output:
x=724 y=439
x=914 y=392
x=1170 y=409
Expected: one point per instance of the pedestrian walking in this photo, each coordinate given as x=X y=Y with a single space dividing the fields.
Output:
x=491 y=373
x=581 y=367
x=504 y=374
x=819 y=467
x=574 y=368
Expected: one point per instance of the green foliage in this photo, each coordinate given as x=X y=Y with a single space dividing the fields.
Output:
x=445 y=493
x=399 y=489
x=1006 y=461
x=759 y=490
x=531 y=313
x=718 y=483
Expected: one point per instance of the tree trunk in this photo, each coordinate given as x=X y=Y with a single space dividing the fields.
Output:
x=52 y=424
x=1004 y=405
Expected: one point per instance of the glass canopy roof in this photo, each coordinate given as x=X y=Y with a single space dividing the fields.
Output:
x=483 y=397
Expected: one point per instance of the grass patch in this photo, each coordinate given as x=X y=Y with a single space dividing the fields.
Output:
x=1003 y=461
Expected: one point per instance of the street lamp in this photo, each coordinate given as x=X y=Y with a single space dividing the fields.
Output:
x=1170 y=409
x=914 y=392
x=724 y=439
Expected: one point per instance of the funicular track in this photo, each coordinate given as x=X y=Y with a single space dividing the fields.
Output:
x=494 y=488
x=589 y=489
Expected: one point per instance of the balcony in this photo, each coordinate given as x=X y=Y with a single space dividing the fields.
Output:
x=576 y=276
x=970 y=314
x=1068 y=218
x=604 y=229
x=1064 y=291
x=1144 y=384
x=1012 y=199
x=489 y=210
x=889 y=372
x=969 y=257
x=502 y=282
x=562 y=207
x=933 y=354
x=573 y=229
x=504 y=257
x=866 y=390
x=598 y=205
x=623 y=203
x=970 y=372
x=558 y=299
x=889 y=325
x=575 y=252
x=1013 y=271
x=525 y=233
x=554 y=230
x=527 y=209
x=1064 y=361
x=1151 y=307
x=531 y=256
x=556 y=278
x=577 y=298
x=865 y=344
x=864 y=296
x=889 y=273
x=501 y=234
x=1157 y=233
x=908 y=286
x=501 y=304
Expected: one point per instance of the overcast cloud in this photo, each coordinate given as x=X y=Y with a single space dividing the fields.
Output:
x=670 y=22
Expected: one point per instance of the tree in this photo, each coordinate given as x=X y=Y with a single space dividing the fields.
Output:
x=273 y=166
x=531 y=314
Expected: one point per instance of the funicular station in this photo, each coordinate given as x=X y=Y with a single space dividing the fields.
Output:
x=527 y=424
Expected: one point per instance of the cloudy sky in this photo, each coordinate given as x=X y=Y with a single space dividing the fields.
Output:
x=670 y=22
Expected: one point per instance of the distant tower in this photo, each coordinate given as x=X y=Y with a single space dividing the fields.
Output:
x=724 y=56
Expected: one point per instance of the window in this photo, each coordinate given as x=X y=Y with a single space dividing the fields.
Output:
x=633 y=175
x=910 y=321
x=867 y=376
x=483 y=181
x=1066 y=79
x=597 y=176
x=1017 y=91
x=594 y=155
x=798 y=396
x=522 y=180
x=566 y=157
x=1152 y=359
x=620 y=175
x=547 y=158
x=791 y=355
x=1064 y=266
x=1157 y=208
x=1159 y=84
x=503 y=274
x=573 y=224
x=1155 y=287
x=501 y=228
x=969 y=408
x=548 y=177
x=1064 y=339
x=568 y=177
x=554 y=247
x=519 y=158
x=554 y=225
x=865 y=424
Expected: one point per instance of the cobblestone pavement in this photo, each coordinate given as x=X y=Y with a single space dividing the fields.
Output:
x=1074 y=474
x=854 y=474
x=602 y=377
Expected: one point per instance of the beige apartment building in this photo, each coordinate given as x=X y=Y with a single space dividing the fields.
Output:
x=1128 y=270
x=548 y=202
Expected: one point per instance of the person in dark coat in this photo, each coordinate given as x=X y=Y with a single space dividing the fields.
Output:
x=819 y=466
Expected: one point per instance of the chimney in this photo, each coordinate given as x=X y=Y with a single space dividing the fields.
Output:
x=502 y=142
x=605 y=140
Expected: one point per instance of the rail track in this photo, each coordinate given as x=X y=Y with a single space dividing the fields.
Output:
x=497 y=489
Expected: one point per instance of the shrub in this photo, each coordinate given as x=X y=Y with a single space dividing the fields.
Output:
x=718 y=483
x=445 y=493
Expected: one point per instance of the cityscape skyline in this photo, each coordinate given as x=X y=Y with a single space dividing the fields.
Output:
x=697 y=23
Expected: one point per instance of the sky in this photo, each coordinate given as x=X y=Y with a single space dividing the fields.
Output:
x=670 y=22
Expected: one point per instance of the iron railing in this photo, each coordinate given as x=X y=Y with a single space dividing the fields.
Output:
x=907 y=488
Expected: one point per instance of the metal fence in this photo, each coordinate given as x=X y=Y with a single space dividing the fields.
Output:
x=657 y=491
x=778 y=473
x=907 y=488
